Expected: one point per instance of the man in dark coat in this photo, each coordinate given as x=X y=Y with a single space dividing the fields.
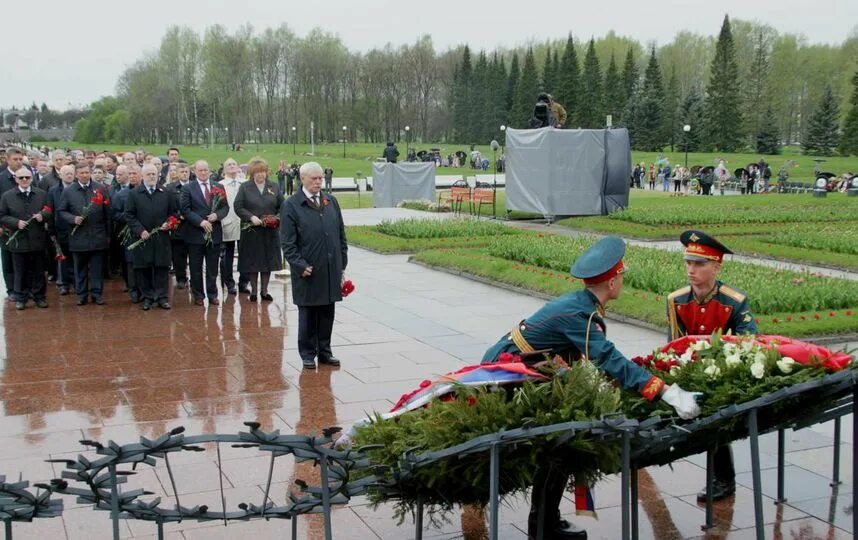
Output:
x=14 y=161
x=177 y=241
x=391 y=152
x=150 y=207
x=313 y=239
x=23 y=212
x=204 y=206
x=85 y=205
x=117 y=213
x=65 y=267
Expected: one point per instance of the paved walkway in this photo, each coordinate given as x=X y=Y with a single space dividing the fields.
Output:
x=115 y=372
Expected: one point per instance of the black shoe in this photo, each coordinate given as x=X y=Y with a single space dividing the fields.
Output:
x=558 y=530
x=252 y=298
x=42 y=303
x=233 y=291
x=19 y=306
x=51 y=279
x=330 y=360
x=81 y=301
x=267 y=297
x=135 y=297
x=181 y=284
x=721 y=489
x=99 y=301
x=64 y=291
x=244 y=290
x=309 y=363
x=147 y=305
x=163 y=304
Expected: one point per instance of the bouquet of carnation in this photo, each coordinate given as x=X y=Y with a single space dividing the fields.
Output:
x=169 y=225
x=58 y=251
x=45 y=212
x=268 y=222
x=735 y=369
x=97 y=200
x=348 y=288
x=218 y=198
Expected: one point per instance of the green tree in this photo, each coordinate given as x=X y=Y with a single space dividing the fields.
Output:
x=569 y=90
x=511 y=83
x=672 y=127
x=652 y=106
x=615 y=94
x=849 y=139
x=642 y=119
x=723 y=116
x=462 y=104
x=480 y=99
x=548 y=73
x=590 y=112
x=767 y=137
x=525 y=93
x=691 y=114
x=630 y=78
x=822 y=131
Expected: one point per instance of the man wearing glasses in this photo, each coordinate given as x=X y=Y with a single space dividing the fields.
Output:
x=14 y=161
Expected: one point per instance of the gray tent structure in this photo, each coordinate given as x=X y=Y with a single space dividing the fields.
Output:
x=567 y=172
x=393 y=183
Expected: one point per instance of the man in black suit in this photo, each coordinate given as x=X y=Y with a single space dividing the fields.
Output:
x=14 y=161
x=85 y=206
x=313 y=239
x=150 y=207
x=203 y=206
x=65 y=267
x=117 y=215
x=21 y=210
x=177 y=242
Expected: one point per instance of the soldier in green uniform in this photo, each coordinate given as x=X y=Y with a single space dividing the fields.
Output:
x=573 y=326
x=704 y=306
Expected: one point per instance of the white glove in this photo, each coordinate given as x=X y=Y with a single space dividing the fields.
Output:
x=682 y=401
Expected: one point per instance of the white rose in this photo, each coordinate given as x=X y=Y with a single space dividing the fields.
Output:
x=758 y=370
x=747 y=345
x=760 y=357
x=786 y=364
x=674 y=371
x=686 y=357
x=713 y=371
x=733 y=360
x=730 y=349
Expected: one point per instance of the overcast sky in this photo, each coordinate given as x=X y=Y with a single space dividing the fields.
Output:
x=73 y=52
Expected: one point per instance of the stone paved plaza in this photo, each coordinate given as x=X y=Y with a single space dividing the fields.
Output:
x=115 y=372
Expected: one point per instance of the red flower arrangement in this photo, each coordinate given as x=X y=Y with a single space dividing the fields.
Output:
x=325 y=201
x=170 y=225
x=45 y=212
x=97 y=200
x=58 y=251
x=348 y=287
x=268 y=222
x=218 y=197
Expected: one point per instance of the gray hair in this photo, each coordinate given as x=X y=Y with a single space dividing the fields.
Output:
x=200 y=161
x=310 y=166
x=149 y=167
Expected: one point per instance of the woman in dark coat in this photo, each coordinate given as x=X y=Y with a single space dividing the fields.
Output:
x=257 y=204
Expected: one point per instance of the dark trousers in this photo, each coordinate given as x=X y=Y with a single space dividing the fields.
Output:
x=707 y=188
x=88 y=277
x=154 y=282
x=29 y=275
x=328 y=183
x=47 y=261
x=210 y=254
x=227 y=258
x=289 y=187
x=676 y=185
x=65 y=268
x=315 y=325
x=180 y=259
x=8 y=271
x=723 y=460
x=131 y=281
x=549 y=483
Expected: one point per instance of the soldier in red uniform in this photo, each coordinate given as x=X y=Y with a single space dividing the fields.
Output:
x=705 y=306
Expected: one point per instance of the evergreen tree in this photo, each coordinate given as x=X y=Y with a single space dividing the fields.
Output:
x=525 y=93
x=569 y=88
x=653 y=106
x=548 y=75
x=821 y=136
x=723 y=116
x=673 y=129
x=768 y=136
x=641 y=118
x=480 y=99
x=691 y=114
x=555 y=65
x=498 y=111
x=614 y=92
x=511 y=84
x=463 y=105
x=630 y=76
x=849 y=139
x=754 y=87
x=590 y=113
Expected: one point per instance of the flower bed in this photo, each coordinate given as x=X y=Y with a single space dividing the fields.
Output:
x=446 y=228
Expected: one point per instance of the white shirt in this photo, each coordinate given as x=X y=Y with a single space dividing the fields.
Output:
x=311 y=197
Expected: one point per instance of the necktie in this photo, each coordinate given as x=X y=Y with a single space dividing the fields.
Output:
x=150 y=190
x=206 y=191
x=316 y=200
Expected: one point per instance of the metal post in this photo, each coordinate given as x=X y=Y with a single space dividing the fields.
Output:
x=710 y=479
x=114 y=500
x=295 y=527
x=625 y=484
x=835 y=475
x=854 y=455
x=635 y=531
x=753 y=430
x=494 y=489
x=781 y=451
x=326 y=496
x=418 y=520
x=8 y=526
x=160 y=530
x=173 y=483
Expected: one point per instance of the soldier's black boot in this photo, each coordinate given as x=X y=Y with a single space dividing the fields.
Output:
x=724 y=484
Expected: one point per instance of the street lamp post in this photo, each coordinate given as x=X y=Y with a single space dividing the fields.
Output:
x=407 y=141
x=686 y=129
x=257 y=140
x=226 y=137
x=344 y=141
x=294 y=135
x=503 y=141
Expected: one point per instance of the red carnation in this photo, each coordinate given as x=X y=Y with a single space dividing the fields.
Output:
x=816 y=316
x=348 y=287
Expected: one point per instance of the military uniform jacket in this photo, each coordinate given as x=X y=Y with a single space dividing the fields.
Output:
x=15 y=206
x=93 y=233
x=574 y=324
x=144 y=212
x=725 y=309
x=195 y=208
x=314 y=237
